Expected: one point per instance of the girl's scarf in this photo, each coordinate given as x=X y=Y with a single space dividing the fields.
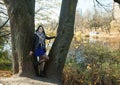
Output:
x=41 y=36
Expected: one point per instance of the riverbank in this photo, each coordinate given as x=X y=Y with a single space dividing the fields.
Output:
x=113 y=38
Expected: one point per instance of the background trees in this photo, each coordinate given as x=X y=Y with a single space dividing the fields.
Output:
x=93 y=21
x=47 y=11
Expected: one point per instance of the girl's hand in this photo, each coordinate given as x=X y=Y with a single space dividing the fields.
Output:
x=30 y=53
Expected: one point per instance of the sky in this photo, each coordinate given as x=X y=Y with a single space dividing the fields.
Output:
x=84 y=5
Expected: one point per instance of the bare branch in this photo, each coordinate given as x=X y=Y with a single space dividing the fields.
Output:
x=1 y=3
x=3 y=13
x=5 y=35
x=4 y=17
x=101 y=5
x=54 y=27
x=3 y=8
x=4 y=23
x=38 y=10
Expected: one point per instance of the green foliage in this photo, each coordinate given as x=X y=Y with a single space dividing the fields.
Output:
x=5 y=61
x=5 y=64
x=1 y=44
x=101 y=66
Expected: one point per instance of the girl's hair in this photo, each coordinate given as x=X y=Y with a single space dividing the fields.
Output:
x=40 y=26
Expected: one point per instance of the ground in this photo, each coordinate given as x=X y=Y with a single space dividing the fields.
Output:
x=25 y=81
x=6 y=78
x=4 y=73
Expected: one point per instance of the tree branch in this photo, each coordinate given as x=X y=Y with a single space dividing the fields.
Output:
x=6 y=1
x=3 y=17
x=2 y=8
x=1 y=3
x=101 y=5
x=5 y=35
x=4 y=23
x=3 y=13
x=38 y=10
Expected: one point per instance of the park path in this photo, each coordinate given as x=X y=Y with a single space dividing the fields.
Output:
x=25 y=81
x=6 y=78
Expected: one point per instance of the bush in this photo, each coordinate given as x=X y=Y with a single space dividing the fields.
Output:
x=5 y=61
x=101 y=66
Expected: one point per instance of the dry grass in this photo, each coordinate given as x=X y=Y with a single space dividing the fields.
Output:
x=4 y=73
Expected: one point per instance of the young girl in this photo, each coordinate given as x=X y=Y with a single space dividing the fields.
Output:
x=39 y=46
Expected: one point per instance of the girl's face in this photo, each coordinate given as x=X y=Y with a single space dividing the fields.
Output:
x=40 y=29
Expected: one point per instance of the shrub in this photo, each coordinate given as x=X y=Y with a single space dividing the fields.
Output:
x=101 y=66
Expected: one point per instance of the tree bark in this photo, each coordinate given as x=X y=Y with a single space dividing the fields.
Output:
x=58 y=53
x=21 y=14
x=118 y=1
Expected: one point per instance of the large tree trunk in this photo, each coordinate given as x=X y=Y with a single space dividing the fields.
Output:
x=58 y=53
x=15 y=63
x=118 y=1
x=21 y=14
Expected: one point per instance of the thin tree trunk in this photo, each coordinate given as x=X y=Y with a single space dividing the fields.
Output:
x=58 y=53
